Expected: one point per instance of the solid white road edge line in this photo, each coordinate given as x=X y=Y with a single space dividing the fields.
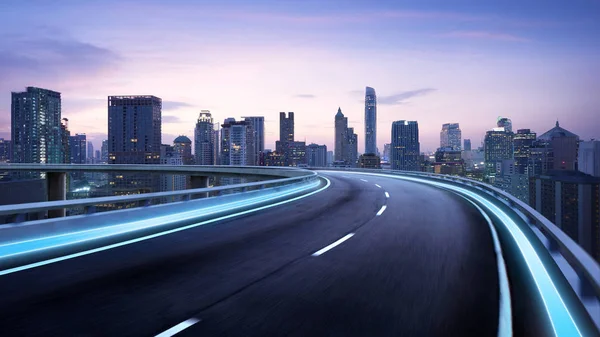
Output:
x=387 y=195
x=333 y=245
x=179 y=327
x=381 y=210
x=364 y=180
x=377 y=185
x=505 y=314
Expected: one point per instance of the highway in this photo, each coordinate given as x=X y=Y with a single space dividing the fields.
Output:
x=369 y=256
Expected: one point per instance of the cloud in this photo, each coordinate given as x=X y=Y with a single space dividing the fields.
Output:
x=171 y=119
x=174 y=105
x=483 y=35
x=305 y=96
x=403 y=97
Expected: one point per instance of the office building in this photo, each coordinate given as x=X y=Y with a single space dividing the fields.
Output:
x=405 y=146
x=36 y=130
x=171 y=155
x=294 y=152
x=65 y=136
x=5 y=150
x=286 y=127
x=561 y=148
x=90 y=152
x=467 y=145
x=370 y=121
x=134 y=129
x=450 y=136
x=134 y=137
x=104 y=151
x=346 y=141
x=78 y=146
x=369 y=161
x=258 y=125
x=387 y=151
x=204 y=139
x=448 y=160
x=498 y=146
x=237 y=143
x=182 y=145
x=571 y=200
x=505 y=123
x=217 y=146
x=329 y=158
x=523 y=141
x=97 y=155
x=316 y=155
x=588 y=160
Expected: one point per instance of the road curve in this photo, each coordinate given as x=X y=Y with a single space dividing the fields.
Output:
x=369 y=256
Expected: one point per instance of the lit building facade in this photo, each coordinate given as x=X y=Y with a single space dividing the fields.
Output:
x=5 y=150
x=588 y=160
x=182 y=145
x=237 y=143
x=405 y=146
x=369 y=161
x=258 y=125
x=370 y=121
x=78 y=146
x=36 y=130
x=498 y=146
x=204 y=139
x=451 y=136
x=316 y=155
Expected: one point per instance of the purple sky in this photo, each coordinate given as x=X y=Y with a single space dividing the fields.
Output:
x=434 y=61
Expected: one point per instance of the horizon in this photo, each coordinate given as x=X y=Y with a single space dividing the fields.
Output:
x=428 y=61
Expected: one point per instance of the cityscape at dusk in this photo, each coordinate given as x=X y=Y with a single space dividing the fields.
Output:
x=300 y=168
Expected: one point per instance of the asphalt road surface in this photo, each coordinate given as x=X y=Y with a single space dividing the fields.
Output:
x=369 y=256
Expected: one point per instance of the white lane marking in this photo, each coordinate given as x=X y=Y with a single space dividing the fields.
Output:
x=364 y=180
x=128 y=242
x=505 y=318
x=178 y=328
x=333 y=245
x=387 y=195
x=381 y=210
x=377 y=185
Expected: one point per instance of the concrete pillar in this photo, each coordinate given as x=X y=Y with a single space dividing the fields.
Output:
x=199 y=182
x=56 y=186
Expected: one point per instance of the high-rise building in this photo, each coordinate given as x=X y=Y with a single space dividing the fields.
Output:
x=286 y=127
x=204 y=139
x=505 y=123
x=237 y=143
x=448 y=160
x=370 y=121
x=90 y=152
x=346 y=141
x=65 y=136
x=450 y=136
x=294 y=153
x=182 y=145
x=329 y=158
x=134 y=129
x=134 y=137
x=170 y=155
x=369 y=161
x=258 y=125
x=499 y=146
x=524 y=140
x=571 y=200
x=98 y=155
x=405 y=146
x=36 y=126
x=588 y=159
x=561 y=148
x=104 y=151
x=78 y=144
x=316 y=155
x=467 y=145
x=5 y=150
x=217 y=146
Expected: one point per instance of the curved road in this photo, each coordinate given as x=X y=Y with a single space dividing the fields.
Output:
x=423 y=265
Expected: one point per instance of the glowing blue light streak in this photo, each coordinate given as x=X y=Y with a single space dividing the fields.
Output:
x=561 y=319
x=145 y=224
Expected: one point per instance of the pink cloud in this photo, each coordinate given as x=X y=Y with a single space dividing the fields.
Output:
x=484 y=36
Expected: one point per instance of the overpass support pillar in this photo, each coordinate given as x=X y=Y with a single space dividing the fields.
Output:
x=56 y=187
x=199 y=182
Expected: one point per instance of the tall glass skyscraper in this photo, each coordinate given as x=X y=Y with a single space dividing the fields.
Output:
x=405 y=146
x=36 y=127
x=450 y=136
x=370 y=121
x=258 y=125
x=499 y=146
x=78 y=147
x=204 y=139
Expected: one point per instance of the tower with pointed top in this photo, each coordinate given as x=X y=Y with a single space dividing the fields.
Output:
x=346 y=141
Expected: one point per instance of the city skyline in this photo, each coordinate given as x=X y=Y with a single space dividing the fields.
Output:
x=497 y=64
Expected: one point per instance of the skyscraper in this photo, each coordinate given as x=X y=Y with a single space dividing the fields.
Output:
x=387 y=151
x=450 y=136
x=36 y=126
x=90 y=152
x=258 y=125
x=237 y=143
x=316 y=155
x=370 y=121
x=78 y=148
x=182 y=145
x=562 y=146
x=346 y=141
x=351 y=155
x=405 y=146
x=204 y=139
x=498 y=144
x=65 y=136
x=588 y=160
x=286 y=127
x=5 y=150
x=134 y=129
x=467 y=145
x=524 y=140
x=104 y=151
x=294 y=153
